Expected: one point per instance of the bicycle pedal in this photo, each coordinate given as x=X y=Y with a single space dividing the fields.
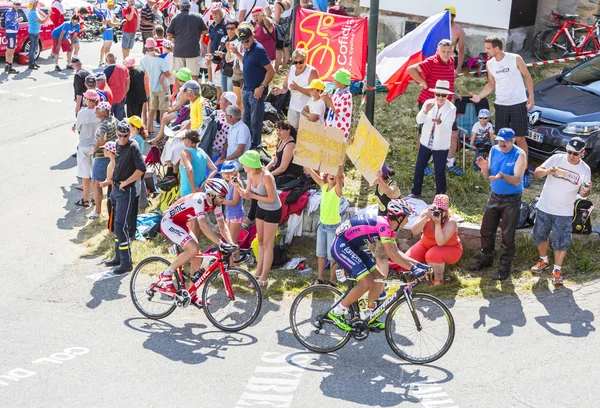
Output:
x=375 y=329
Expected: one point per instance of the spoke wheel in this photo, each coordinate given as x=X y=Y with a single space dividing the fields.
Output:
x=151 y=303
x=309 y=323
x=237 y=313
x=549 y=51
x=429 y=343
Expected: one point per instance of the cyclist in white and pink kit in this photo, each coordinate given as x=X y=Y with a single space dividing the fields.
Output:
x=174 y=226
x=364 y=229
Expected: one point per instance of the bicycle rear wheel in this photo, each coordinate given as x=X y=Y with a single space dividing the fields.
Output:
x=548 y=50
x=427 y=343
x=147 y=299
x=238 y=312
x=309 y=322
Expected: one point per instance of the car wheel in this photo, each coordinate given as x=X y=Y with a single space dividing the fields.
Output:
x=26 y=46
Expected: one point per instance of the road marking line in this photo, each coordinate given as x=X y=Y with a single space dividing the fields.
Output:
x=101 y=276
x=46 y=99
x=2 y=91
x=24 y=95
x=49 y=85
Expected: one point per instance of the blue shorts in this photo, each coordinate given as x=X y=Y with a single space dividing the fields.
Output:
x=99 y=168
x=128 y=40
x=11 y=38
x=325 y=237
x=355 y=261
x=559 y=225
x=108 y=35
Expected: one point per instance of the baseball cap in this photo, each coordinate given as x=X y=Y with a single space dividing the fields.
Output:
x=385 y=171
x=167 y=44
x=100 y=75
x=135 y=121
x=452 y=9
x=317 y=84
x=257 y=10
x=216 y=5
x=184 y=74
x=110 y=3
x=342 y=76
x=244 y=33
x=228 y=166
x=576 y=144
x=104 y=106
x=150 y=43
x=183 y=3
x=230 y=97
x=90 y=79
x=110 y=146
x=191 y=85
x=484 y=113
x=16 y=1
x=505 y=135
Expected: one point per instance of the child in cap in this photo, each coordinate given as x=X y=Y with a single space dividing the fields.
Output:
x=86 y=125
x=482 y=135
x=167 y=54
x=314 y=111
x=234 y=210
x=110 y=151
x=340 y=103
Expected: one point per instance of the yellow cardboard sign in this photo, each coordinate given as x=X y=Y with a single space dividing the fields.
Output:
x=319 y=147
x=368 y=150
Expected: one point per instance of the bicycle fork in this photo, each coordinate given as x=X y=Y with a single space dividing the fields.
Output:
x=411 y=307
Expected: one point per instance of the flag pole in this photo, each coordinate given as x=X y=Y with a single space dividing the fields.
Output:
x=371 y=60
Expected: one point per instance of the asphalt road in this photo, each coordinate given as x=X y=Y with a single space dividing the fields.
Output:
x=68 y=341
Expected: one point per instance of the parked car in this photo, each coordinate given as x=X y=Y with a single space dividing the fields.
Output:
x=567 y=106
x=23 y=36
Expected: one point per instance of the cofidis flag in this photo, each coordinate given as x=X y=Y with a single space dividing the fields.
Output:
x=332 y=42
x=411 y=49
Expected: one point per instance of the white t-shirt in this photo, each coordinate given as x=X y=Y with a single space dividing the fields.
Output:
x=238 y=134
x=560 y=192
x=510 y=86
x=318 y=108
x=482 y=133
x=247 y=5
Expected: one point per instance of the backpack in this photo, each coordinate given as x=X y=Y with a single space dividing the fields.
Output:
x=523 y=216
x=280 y=257
x=168 y=198
x=208 y=131
x=533 y=210
x=582 y=223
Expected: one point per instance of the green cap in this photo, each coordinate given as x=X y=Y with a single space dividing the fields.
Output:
x=184 y=74
x=251 y=159
x=342 y=76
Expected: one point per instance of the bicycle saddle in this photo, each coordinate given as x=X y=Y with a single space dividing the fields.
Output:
x=572 y=16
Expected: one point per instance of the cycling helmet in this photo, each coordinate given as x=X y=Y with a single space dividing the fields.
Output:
x=216 y=186
x=398 y=208
x=123 y=126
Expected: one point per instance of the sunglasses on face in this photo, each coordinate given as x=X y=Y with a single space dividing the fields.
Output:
x=121 y=135
x=230 y=28
x=246 y=41
x=298 y=62
x=437 y=95
x=573 y=153
x=445 y=43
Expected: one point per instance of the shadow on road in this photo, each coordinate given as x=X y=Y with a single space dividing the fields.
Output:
x=105 y=290
x=75 y=216
x=188 y=344
x=505 y=307
x=562 y=311
x=66 y=164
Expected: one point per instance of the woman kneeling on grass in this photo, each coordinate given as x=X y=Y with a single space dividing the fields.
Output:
x=439 y=244
x=261 y=187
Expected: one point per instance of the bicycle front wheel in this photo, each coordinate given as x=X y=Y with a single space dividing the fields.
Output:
x=147 y=299
x=309 y=322
x=428 y=341
x=235 y=311
x=553 y=50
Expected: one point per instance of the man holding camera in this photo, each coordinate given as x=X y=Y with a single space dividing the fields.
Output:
x=566 y=176
x=504 y=167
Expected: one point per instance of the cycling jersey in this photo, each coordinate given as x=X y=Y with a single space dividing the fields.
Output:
x=365 y=229
x=174 y=221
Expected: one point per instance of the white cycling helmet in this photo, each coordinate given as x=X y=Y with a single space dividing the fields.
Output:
x=216 y=186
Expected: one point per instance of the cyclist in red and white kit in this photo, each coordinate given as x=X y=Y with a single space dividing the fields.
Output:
x=174 y=226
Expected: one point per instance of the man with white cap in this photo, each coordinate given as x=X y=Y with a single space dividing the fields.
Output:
x=566 y=176
x=436 y=117
x=504 y=167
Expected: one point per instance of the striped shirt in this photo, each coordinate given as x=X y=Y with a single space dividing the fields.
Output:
x=435 y=69
x=146 y=14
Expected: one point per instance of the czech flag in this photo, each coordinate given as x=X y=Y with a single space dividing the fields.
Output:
x=413 y=48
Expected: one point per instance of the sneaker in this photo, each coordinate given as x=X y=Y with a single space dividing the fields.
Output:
x=11 y=70
x=339 y=320
x=92 y=216
x=526 y=180
x=69 y=66
x=57 y=68
x=540 y=266
x=557 y=278
x=36 y=65
x=6 y=68
x=383 y=294
x=376 y=324
x=455 y=170
x=428 y=171
x=166 y=283
x=32 y=67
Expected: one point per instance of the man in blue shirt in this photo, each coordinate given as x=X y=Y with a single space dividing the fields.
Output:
x=216 y=32
x=504 y=168
x=258 y=73
x=35 y=25
x=61 y=38
x=11 y=22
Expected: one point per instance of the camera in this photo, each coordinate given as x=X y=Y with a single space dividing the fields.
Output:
x=437 y=213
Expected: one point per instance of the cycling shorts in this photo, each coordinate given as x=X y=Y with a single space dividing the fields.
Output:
x=108 y=35
x=178 y=234
x=353 y=260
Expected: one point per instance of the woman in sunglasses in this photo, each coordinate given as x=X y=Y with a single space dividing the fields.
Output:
x=437 y=116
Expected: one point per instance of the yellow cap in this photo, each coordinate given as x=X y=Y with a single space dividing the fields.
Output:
x=110 y=3
x=317 y=84
x=452 y=9
x=135 y=121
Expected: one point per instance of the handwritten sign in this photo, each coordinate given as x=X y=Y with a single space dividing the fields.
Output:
x=368 y=150
x=319 y=147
